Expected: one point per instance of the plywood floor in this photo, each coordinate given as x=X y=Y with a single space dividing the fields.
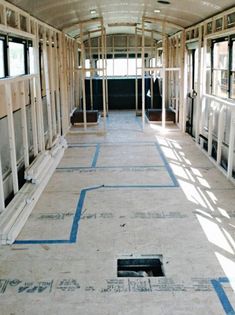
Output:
x=126 y=194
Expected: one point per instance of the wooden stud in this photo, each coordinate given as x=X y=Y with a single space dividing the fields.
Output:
x=106 y=77
x=83 y=73
x=57 y=84
x=210 y=129
x=221 y=127
x=136 y=71
x=91 y=73
x=143 y=76
x=231 y=146
x=48 y=91
x=11 y=132
x=164 y=43
x=151 y=78
x=199 y=88
x=34 y=119
x=103 y=73
x=51 y=60
x=2 y=199
x=182 y=111
x=63 y=84
x=24 y=126
x=37 y=85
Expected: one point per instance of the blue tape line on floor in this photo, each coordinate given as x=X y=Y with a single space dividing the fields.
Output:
x=96 y=155
x=110 y=167
x=216 y=283
x=77 y=216
x=42 y=242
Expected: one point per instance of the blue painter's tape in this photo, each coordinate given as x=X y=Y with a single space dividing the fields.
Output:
x=75 y=225
x=96 y=155
x=222 y=295
x=74 y=168
x=139 y=186
x=77 y=216
x=42 y=242
x=167 y=165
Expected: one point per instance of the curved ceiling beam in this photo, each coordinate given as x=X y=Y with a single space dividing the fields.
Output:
x=85 y=22
x=166 y=23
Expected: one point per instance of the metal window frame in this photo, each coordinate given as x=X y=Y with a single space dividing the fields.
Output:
x=231 y=41
x=25 y=43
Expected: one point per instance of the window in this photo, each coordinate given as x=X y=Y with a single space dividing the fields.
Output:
x=220 y=77
x=232 y=74
x=31 y=59
x=2 y=68
x=16 y=58
x=132 y=66
x=87 y=66
x=120 y=67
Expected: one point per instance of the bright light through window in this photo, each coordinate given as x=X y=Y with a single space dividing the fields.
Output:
x=16 y=59
x=87 y=65
x=31 y=61
x=2 y=74
x=122 y=67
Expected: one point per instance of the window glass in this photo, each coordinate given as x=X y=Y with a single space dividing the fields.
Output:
x=118 y=66
x=87 y=66
x=31 y=61
x=132 y=66
x=220 y=69
x=232 y=94
x=16 y=59
x=2 y=72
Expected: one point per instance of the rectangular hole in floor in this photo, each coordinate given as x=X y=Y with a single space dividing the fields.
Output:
x=140 y=267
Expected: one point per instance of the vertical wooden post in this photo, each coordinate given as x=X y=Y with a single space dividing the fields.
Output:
x=73 y=73
x=136 y=71
x=51 y=68
x=57 y=84
x=113 y=52
x=103 y=73
x=210 y=128
x=177 y=76
x=24 y=124
x=221 y=126
x=143 y=75
x=37 y=84
x=2 y=198
x=151 y=74
x=199 y=88
x=63 y=84
x=164 y=46
x=106 y=77
x=34 y=119
x=11 y=132
x=91 y=72
x=182 y=112
x=231 y=146
x=48 y=91
x=83 y=71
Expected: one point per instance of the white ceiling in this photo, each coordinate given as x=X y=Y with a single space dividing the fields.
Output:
x=64 y=13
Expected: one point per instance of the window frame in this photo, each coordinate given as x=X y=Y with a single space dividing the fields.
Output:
x=5 y=52
x=231 y=41
x=6 y=38
x=13 y=39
